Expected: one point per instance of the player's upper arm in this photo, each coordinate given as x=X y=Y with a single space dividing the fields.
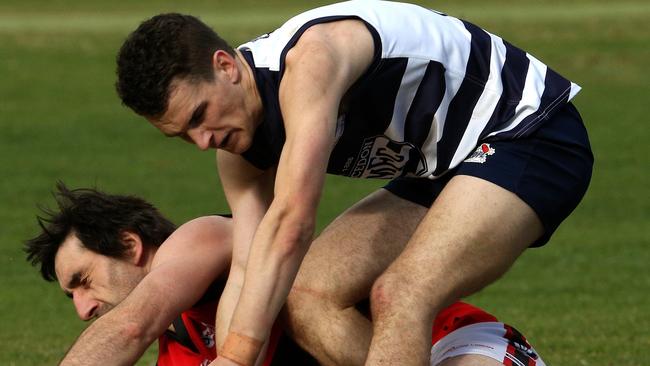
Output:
x=325 y=62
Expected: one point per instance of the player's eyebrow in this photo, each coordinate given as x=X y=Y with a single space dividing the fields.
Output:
x=195 y=119
x=197 y=116
x=74 y=281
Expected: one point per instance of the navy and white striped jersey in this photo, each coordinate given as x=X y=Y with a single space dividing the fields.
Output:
x=437 y=86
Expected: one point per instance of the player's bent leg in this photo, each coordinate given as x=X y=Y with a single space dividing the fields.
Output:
x=472 y=234
x=338 y=272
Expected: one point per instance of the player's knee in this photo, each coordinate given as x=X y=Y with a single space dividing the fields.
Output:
x=392 y=293
x=384 y=295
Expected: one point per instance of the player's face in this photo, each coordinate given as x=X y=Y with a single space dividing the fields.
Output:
x=95 y=283
x=213 y=114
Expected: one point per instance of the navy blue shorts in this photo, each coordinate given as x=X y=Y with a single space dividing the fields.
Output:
x=549 y=170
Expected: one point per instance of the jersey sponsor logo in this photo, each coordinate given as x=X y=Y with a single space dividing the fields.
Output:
x=480 y=154
x=381 y=157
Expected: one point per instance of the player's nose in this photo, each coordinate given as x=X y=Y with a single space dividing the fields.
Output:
x=200 y=138
x=86 y=307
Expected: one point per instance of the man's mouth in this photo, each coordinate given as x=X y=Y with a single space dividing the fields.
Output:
x=224 y=141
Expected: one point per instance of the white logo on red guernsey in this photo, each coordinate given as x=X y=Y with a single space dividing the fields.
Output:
x=480 y=154
x=207 y=335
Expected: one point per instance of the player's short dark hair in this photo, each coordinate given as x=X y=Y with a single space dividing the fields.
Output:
x=98 y=219
x=160 y=49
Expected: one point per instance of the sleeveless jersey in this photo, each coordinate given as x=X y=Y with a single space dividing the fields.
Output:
x=436 y=87
x=192 y=343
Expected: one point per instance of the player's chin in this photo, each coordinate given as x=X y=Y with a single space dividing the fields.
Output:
x=239 y=143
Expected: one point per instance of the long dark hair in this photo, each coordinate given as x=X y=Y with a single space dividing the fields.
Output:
x=98 y=219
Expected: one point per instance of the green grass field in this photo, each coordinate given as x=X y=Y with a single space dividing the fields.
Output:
x=582 y=300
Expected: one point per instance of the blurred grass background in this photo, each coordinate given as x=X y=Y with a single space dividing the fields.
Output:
x=581 y=300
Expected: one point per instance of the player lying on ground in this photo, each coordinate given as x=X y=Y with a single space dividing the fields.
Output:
x=120 y=260
x=107 y=251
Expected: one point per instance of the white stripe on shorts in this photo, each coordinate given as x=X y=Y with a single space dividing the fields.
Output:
x=485 y=339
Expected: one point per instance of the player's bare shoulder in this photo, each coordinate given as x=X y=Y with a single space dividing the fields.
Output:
x=206 y=233
x=346 y=45
x=351 y=38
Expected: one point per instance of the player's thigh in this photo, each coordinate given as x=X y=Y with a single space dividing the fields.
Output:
x=344 y=261
x=471 y=234
x=469 y=360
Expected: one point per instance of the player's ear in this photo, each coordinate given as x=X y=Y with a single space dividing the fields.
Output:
x=135 y=246
x=226 y=63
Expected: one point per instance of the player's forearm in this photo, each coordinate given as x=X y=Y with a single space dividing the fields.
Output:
x=227 y=304
x=273 y=263
x=265 y=293
x=109 y=341
x=122 y=335
x=246 y=222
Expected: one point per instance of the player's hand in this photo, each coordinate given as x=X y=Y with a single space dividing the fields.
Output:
x=222 y=361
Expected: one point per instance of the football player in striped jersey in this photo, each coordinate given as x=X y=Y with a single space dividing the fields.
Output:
x=485 y=153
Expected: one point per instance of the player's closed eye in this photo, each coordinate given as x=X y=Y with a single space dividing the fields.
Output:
x=197 y=116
